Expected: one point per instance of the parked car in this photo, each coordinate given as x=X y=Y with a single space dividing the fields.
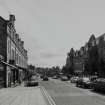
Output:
x=33 y=81
x=55 y=77
x=69 y=76
x=45 y=78
x=42 y=76
x=99 y=84
x=93 y=78
x=64 y=78
x=84 y=82
x=74 y=79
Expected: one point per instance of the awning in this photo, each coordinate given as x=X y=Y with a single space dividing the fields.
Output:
x=8 y=64
x=20 y=67
x=13 y=66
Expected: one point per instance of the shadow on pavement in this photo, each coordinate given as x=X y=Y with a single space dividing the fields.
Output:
x=98 y=92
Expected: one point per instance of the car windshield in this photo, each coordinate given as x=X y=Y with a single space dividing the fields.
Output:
x=101 y=79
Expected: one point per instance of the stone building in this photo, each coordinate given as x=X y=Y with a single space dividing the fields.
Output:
x=100 y=42
x=79 y=61
x=13 y=51
x=81 y=56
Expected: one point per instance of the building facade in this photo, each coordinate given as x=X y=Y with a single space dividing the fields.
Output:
x=13 y=51
x=82 y=56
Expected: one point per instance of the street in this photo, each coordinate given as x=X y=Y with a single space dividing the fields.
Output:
x=52 y=52
x=64 y=93
x=52 y=92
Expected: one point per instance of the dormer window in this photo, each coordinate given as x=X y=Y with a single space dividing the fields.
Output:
x=93 y=43
x=97 y=41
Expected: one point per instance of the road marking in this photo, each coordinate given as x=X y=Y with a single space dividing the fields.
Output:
x=73 y=86
x=50 y=100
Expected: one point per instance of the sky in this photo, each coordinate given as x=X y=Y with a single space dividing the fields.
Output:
x=50 y=28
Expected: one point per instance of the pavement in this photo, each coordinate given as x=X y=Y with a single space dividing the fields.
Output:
x=21 y=95
x=52 y=92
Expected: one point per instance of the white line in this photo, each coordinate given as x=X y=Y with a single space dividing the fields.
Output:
x=50 y=100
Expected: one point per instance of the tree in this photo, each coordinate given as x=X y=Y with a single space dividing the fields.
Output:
x=69 y=67
x=64 y=70
x=72 y=53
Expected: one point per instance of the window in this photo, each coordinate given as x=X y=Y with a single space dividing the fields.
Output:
x=8 y=46
x=17 y=58
x=93 y=43
x=8 y=30
x=97 y=41
x=13 y=54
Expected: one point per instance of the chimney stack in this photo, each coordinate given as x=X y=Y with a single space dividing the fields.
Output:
x=22 y=42
x=12 y=17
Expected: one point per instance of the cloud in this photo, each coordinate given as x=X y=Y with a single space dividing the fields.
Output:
x=48 y=55
x=50 y=28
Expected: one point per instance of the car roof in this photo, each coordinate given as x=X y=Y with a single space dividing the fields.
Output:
x=33 y=77
x=85 y=78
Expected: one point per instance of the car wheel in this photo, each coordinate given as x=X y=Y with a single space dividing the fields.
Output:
x=37 y=84
x=82 y=86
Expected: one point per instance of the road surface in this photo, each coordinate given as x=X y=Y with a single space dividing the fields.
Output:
x=64 y=93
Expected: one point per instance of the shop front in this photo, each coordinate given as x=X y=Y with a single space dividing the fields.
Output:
x=2 y=75
x=2 y=72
